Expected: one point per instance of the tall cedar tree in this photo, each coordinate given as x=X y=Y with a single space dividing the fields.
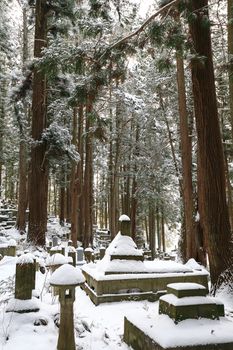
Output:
x=214 y=211
x=38 y=185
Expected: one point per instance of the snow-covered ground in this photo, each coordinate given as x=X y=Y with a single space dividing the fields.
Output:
x=96 y=327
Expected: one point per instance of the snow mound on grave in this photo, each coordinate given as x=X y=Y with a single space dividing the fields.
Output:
x=56 y=259
x=123 y=245
x=17 y=305
x=124 y=218
x=27 y=258
x=67 y=275
x=71 y=249
x=12 y=243
x=192 y=264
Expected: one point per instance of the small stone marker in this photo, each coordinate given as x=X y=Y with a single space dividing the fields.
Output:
x=55 y=241
x=72 y=253
x=88 y=254
x=125 y=226
x=65 y=279
x=24 y=284
x=102 y=252
x=25 y=276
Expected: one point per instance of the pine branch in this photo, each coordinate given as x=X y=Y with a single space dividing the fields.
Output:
x=141 y=28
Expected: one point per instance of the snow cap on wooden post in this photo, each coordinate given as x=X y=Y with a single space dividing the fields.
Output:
x=125 y=226
x=66 y=278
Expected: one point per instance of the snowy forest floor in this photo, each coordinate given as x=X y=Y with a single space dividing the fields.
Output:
x=96 y=327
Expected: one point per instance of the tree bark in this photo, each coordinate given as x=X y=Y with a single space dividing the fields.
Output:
x=186 y=158
x=39 y=166
x=230 y=58
x=214 y=213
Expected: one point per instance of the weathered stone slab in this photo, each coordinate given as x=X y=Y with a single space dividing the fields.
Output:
x=138 y=340
x=186 y=290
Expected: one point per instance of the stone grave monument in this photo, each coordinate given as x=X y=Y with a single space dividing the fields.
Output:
x=122 y=274
x=24 y=284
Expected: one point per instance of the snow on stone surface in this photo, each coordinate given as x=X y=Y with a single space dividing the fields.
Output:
x=174 y=300
x=56 y=259
x=3 y=245
x=166 y=266
x=89 y=249
x=124 y=218
x=97 y=272
x=125 y=246
x=186 y=285
x=71 y=249
x=69 y=259
x=67 y=275
x=192 y=264
x=27 y=258
x=58 y=247
x=148 y=267
x=127 y=266
x=12 y=243
x=18 y=305
x=188 y=332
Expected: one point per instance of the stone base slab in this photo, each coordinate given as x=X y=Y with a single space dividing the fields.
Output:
x=138 y=340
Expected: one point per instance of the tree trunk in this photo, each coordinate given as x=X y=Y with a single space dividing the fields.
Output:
x=186 y=158
x=230 y=58
x=88 y=188
x=39 y=166
x=152 y=229
x=214 y=213
x=22 y=196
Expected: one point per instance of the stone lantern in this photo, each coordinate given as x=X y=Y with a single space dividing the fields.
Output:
x=65 y=279
x=125 y=226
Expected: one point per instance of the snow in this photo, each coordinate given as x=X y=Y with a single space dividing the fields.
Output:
x=71 y=249
x=124 y=218
x=67 y=275
x=56 y=259
x=19 y=305
x=191 y=263
x=12 y=243
x=26 y=259
x=174 y=300
x=96 y=327
x=89 y=249
x=185 y=332
x=185 y=286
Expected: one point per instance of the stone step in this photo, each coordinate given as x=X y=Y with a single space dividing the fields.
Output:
x=181 y=290
x=180 y=309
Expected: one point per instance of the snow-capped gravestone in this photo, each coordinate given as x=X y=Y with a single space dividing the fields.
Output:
x=24 y=284
x=57 y=249
x=102 y=252
x=8 y=248
x=72 y=253
x=88 y=254
x=80 y=256
x=188 y=320
x=65 y=279
x=125 y=248
x=53 y=263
